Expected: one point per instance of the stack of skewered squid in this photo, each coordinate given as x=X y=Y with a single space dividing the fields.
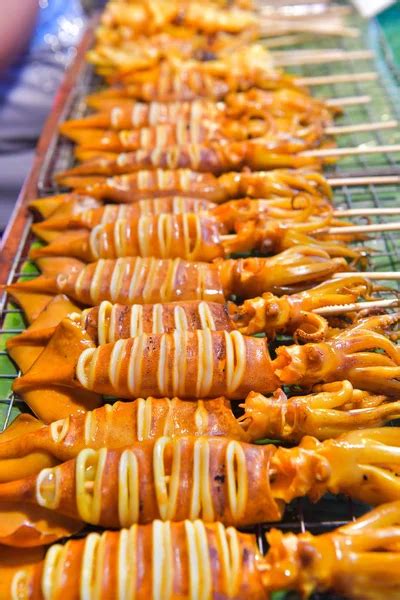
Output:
x=153 y=357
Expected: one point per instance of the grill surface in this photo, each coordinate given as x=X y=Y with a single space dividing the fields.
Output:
x=331 y=511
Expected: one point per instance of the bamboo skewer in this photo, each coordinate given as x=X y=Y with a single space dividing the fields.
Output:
x=361 y=127
x=345 y=78
x=370 y=228
x=366 y=212
x=364 y=180
x=325 y=25
x=354 y=151
x=283 y=40
x=347 y=101
x=375 y=275
x=288 y=58
x=355 y=306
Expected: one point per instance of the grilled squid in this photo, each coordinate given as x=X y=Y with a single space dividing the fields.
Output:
x=117 y=52
x=239 y=70
x=151 y=280
x=118 y=112
x=183 y=182
x=187 y=84
x=294 y=315
x=147 y=19
x=192 y=237
x=72 y=212
x=217 y=158
x=332 y=409
x=199 y=560
x=266 y=314
x=153 y=562
x=212 y=478
x=205 y=363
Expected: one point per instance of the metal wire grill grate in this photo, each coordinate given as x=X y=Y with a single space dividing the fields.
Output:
x=330 y=512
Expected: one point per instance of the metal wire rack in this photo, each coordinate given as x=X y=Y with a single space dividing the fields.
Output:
x=330 y=512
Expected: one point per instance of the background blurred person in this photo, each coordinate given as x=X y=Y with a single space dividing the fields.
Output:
x=37 y=42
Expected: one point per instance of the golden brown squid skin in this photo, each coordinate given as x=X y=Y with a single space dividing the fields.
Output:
x=136 y=115
x=72 y=215
x=122 y=113
x=109 y=323
x=159 y=560
x=268 y=313
x=118 y=111
x=202 y=472
x=216 y=479
x=186 y=363
x=188 y=84
x=119 y=425
x=160 y=137
x=148 y=19
x=206 y=158
x=205 y=363
x=189 y=236
x=183 y=182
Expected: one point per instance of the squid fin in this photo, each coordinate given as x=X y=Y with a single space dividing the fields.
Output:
x=47 y=206
x=18 y=467
x=24 y=423
x=53 y=266
x=25 y=348
x=31 y=301
x=23 y=525
x=70 y=243
x=57 y=361
x=44 y=233
x=59 y=402
x=84 y=154
x=80 y=182
x=35 y=294
x=80 y=136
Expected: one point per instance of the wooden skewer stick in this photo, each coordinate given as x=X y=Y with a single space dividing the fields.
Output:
x=326 y=10
x=360 y=127
x=365 y=180
x=380 y=275
x=329 y=79
x=373 y=227
x=366 y=212
x=337 y=310
x=288 y=58
x=347 y=101
x=355 y=151
x=283 y=40
x=273 y=27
